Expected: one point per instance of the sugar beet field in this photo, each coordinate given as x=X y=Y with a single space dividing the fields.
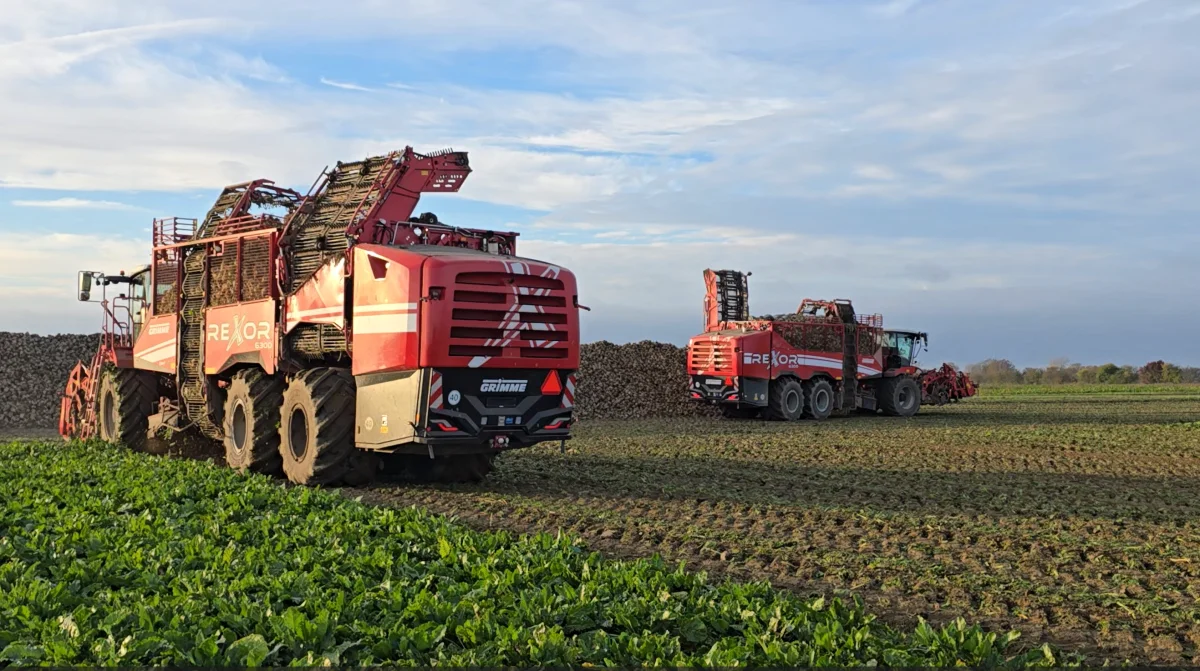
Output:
x=1070 y=515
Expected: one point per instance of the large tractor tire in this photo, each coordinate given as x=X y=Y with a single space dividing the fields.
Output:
x=899 y=396
x=252 y=423
x=786 y=400
x=126 y=401
x=458 y=468
x=818 y=399
x=316 y=431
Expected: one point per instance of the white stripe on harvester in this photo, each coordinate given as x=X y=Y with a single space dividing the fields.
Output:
x=159 y=349
x=316 y=312
x=389 y=323
x=385 y=307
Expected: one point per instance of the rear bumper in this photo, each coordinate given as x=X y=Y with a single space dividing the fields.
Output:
x=714 y=389
x=461 y=411
x=449 y=430
x=740 y=391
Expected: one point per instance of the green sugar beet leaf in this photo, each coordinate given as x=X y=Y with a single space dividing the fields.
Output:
x=114 y=558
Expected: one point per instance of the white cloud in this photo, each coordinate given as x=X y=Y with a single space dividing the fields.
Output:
x=879 y=172
x=346 y=86
x=894 y=8
x=40 y=274
x=76 y=203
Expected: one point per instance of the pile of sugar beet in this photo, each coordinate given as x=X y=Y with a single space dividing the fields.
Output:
x=633 y=381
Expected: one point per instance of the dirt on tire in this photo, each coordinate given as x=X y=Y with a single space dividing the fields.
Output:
x=316 y=427
x=251 y=423
x=126 y=400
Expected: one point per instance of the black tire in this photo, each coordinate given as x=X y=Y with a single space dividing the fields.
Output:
x=899 y=396
x=786 y=400
x=316 y=429
x=126 y=401
x=252 y=422
x=734 y=412
x=819 y=399
x=458 y=468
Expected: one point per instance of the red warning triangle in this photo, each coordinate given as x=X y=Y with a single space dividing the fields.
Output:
x=552 y=385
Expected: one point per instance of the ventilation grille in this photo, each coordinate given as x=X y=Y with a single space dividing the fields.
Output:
x=502 y=314
x=711 y=357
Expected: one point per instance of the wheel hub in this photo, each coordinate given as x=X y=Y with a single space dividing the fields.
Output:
x=792 y=401
x=822 y=401
x=240 y=426
x=298 y=433
x=110 y=415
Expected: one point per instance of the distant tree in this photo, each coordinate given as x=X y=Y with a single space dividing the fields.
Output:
x=1110 y=373
x=1152 y=373
x=1061 y=371
x=1172 y=374
x=1060 y=375
x=995 y=371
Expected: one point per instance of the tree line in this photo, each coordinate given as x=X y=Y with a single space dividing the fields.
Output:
x=1002 y=371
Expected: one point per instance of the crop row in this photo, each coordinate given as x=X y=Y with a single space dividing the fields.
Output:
x=110 y=558
x=1075 y=521
x=1078 y=389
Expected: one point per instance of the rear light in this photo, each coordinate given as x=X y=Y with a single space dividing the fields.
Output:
x=444 y=425
x=557 y=424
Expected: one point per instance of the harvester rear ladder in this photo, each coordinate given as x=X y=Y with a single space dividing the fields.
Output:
x=193 y=387
x=849 y=358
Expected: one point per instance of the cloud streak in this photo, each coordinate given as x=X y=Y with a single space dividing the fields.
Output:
x=76 y=204
x=345 y=86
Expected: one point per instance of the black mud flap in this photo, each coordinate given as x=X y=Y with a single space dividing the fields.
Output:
x=754 y=392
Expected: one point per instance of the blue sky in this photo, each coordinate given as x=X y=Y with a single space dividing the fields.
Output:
x=1017 y=178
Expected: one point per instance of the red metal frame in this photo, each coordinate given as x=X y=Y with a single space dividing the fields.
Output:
x=238 y=219
x=946 y=385
x=77 y=408
x=411 y=175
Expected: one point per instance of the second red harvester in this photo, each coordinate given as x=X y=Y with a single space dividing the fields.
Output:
x=821 y=361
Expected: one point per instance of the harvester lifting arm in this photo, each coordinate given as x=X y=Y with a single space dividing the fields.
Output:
x=400 y=187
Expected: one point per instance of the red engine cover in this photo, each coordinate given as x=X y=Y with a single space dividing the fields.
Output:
x=459 y=308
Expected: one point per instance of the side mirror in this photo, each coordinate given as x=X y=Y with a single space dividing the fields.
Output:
x=85 y=285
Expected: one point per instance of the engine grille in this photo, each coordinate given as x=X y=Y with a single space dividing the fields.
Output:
x=710 y=356
x=502 y=314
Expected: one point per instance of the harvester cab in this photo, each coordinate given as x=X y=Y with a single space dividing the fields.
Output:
x=125 y=310
x=903 y=347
